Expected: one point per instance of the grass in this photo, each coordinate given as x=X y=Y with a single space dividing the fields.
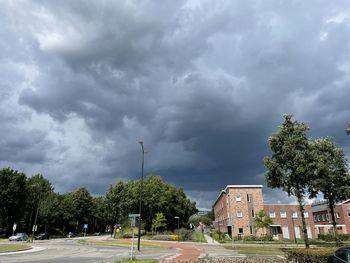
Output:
x=13 y=247
x=119 y=244
x=250 y=250
x=198 y=237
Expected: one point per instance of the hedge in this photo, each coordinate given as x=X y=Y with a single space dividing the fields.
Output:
x=337 y=238
x=311 y=255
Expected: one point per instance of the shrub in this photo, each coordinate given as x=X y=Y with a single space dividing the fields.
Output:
x=185 y=234
x=311 y=255
x=162 y=237
x=241 y=260
x=332 y=238
x=256 y=238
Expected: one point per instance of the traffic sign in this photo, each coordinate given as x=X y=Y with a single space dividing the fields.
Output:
x=85 y=226
x=134 y=215
x=14 y=227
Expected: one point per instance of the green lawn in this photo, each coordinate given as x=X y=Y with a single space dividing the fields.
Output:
x=256 y=250
x=119 y=244
x=198 y=237
x=13 y=247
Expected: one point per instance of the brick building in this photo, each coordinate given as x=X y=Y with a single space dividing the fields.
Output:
x=236 y=206
x=235 y=209
x=323 y=220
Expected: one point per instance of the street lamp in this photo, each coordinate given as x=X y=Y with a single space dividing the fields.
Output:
x=230 y=214
x=178 y=228
x=140 y=204
x=36 y=215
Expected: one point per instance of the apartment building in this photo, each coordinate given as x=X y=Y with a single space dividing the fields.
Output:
x=235 y=209
x=287 y=221
x=323 y=220
x=236 y=206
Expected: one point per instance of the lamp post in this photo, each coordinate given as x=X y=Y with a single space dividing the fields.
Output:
x=140 y=204
x=36 y=216
x=178 y=228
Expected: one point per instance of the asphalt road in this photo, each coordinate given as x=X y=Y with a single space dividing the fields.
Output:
x=69 y=250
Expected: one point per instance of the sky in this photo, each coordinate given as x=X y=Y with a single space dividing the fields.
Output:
x=202 y=83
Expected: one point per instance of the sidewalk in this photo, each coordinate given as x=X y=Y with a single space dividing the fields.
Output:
x=210 y=240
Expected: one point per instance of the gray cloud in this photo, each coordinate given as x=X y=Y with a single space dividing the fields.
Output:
x=203 y=84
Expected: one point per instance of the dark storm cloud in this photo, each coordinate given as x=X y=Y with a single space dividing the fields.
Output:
x=203 y=84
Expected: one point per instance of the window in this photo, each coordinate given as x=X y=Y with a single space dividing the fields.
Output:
x=253 y=213
x=238 y=198
x=327 y=217
x=323 y=218
x=240 y=230
x=315 y=218
x=306 y=214
x=239 y=213
x=337 y=215
x=295 y=214
x=283 y=214
x=272 y=214
x=318 y=218
x=251 y=230
x=348 y=213
x=249 y=198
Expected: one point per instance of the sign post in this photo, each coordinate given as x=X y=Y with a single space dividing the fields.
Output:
x=133 y=222
x=85 y=228
x=14 y=228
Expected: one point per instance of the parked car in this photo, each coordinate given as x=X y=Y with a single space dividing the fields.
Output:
x=19 y=237
x=42 y=236
x=341 y=255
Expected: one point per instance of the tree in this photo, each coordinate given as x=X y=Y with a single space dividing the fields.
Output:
x=195 y=220
x=289 y=167
x=262 y=221
x=158 y=222
x=331 y=174
x=13 y=192
x=82 y=206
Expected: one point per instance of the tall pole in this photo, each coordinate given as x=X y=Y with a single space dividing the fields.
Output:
x=140 y=204
x=229 y=208
x=178 y=228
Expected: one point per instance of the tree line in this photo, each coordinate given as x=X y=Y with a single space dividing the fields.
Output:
x=23 y=198
x=305 y=167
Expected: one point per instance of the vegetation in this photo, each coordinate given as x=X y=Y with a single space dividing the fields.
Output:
x=158 y=222
x=136 y=260
x=257 y=250
x=331 y=174
x=241 y=260
x=13 y=247
x=289 y=167
x=315 y=255
x=21 y=197
x=263 y=221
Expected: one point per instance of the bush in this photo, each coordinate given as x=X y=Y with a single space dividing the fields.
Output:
x=241 y=260
x=311 y=255
x=256 y=238
x=162 y=237
x=215 y=234
x=185 y=234
x=332 y=238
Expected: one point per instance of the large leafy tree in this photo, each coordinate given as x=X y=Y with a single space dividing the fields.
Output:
x=82 y=206
x=331 y=174
x=289 y=167
x=13 y=190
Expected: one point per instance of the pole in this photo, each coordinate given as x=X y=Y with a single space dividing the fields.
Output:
x=132 y=243
x=140 y=204
x=229 y=208
x=34 y=226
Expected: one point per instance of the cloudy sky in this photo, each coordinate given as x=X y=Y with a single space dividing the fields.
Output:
x=202 y=83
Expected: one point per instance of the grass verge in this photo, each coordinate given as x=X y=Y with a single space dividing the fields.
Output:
x=271 y=251
x=13 y=247
x=198 y=237
x=118 y=244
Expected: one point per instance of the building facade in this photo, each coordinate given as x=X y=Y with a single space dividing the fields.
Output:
x=236 y=206
x=323 y=220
